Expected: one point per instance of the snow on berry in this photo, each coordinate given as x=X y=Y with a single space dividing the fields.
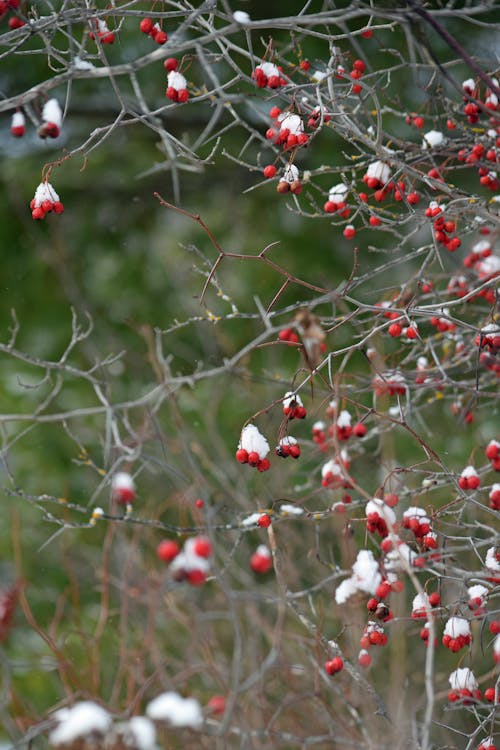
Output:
x=44 y=201
x=18 y=125
x=241 y=16
x=373 y=635
x=487 y=744
x=416 y=520
x=253 y=448
x=192 y=564
x=293 y=408
x=495 y=496
x=139 y=733
x=468 y=86
x=390 y=382
x=420 y=606
x=178 y=711
x=469 y=479
x=492 y=561
x=336 y=198
x=268 y=74
x=432 y=139
x=332 y=475
x=51 y=119
x=291 y=132
x=176 y=87
x=365 y=577
x=343 y=425
x=396 y=558
x=456 y=633
x=288 y=446
x=123 y=487
x=377 y=174
x=478 y=595
x=156 y=32
x=496 y=649
x=463 y=684
x=103 y=33
x=489 y=336
x=261 y=561
x=379 y=517
x=291 y=510
x=290 y=181
x=81 y=720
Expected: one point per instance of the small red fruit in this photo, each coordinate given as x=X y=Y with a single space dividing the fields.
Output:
x=171 y=63
x=146 y=25
x=217 y=704
x=269 y=171
x=167 y=550
x=242 y=456
x=202 y=546
x=264 y=521
x=334 y=665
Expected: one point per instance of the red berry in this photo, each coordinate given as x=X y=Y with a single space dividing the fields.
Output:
x=334 y=665
x=242 y=456
x=264 y=521
x=274 y=112
x=434 y=599
x=261 y=563
x=263 y=465
x=171 y=63
x=367 y=33
x=16 y=23
x=217 y=704
x=349 y=232
x=202 y=546
x=269 y=171
x=167 y=550
x=196 y=577
x=146 y=25
x=364 y=659
x=253 y=458
x=375 y=221
x=359 y=430
x=38 y=213
x=161 y=37
x=182 y=95
x=394 y=330
x=199 y=503
x=305 y=64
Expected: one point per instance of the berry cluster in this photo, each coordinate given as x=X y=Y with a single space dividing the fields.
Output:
x=45 y=200
x=154 y=30
x=15 y=22
x=469 y=479
x=456 y=634
x=123 y=488
x=268 y=75
x=261 y=561
x=102 y=31
x=176 y=87
x=253 y=448
x=192 y=563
